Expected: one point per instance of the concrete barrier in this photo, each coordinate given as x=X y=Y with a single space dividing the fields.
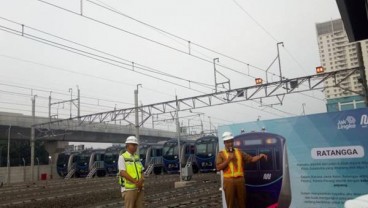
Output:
x=23 y=174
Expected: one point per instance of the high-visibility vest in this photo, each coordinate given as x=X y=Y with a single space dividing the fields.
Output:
x=237 y=170
x=133 y=167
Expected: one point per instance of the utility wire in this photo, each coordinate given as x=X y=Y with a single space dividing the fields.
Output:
x=147 y=39
x=70 y=49
x=85 y=54
x=83 y=74
x=82 y=103
x=268 y=33
x=20 y=104
x=110 y=8
x=255 y=21
x=136 y=65
x=163 y=31
x=38 y=106
x=273 y=37
x=111 y=107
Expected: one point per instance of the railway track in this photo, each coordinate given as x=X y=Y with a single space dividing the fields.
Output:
x=104 y=192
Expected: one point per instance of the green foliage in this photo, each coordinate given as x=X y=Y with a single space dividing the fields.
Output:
x=20 y=149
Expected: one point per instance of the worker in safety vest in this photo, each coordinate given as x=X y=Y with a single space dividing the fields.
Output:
x=231 y=161
x=130 y=175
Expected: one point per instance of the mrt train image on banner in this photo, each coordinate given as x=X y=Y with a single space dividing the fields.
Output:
x=267 y=182
x=314 y=161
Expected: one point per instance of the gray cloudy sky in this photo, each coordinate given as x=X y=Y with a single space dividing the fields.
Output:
x=219 y=25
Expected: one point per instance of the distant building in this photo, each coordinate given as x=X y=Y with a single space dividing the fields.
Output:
x=336 y=53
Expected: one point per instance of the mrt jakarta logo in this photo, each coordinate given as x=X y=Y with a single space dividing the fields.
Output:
x=364 y=121
x=348 y=123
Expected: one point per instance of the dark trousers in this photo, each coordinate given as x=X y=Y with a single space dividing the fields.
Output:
x=234 y=189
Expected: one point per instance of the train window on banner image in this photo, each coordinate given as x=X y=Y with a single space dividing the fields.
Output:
x=251 y=166
x=277 y=159
x=266 y=164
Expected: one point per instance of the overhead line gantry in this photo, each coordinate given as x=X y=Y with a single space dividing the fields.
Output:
x=276 y=90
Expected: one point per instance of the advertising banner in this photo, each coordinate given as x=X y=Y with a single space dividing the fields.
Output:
x=325 y=160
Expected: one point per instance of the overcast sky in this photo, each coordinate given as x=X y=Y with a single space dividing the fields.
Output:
x=242 y=29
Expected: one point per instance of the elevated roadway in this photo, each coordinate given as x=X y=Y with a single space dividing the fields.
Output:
x=96 y=132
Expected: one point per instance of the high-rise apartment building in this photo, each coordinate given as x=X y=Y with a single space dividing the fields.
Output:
x=336 y=53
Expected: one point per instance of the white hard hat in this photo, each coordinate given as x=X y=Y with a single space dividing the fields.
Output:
x=131 y=140
x=227 y=136
x=361 y=201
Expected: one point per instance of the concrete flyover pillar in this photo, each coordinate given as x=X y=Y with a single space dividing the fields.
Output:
x=54 y=148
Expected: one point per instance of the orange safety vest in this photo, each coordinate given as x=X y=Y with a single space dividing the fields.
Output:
x=234 y=171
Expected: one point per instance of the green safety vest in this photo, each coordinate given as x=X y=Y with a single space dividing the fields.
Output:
x=133 y=167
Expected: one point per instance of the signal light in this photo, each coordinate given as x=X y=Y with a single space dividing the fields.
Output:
x=320 y=69
x=259 y=81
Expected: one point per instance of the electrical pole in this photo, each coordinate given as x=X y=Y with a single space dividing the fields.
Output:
x=201 y=126
x=115 y=111
x=153 y=122
x=78 y=103
x=278 y=57
x=136 y=112
x=142 y=113
x=71 y=101
x=33 y=135
x=214 y=70
x=209 y=118
x=50 y=106
x=81 y=7
x=8 y=157
x=188 y=127
x=178 y=133
x=222 y=75
x=363 y=76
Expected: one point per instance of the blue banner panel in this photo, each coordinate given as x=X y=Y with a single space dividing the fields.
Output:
x=327 y=155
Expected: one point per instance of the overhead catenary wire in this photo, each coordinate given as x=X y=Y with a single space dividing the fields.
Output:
x=38 y=106
x=176 y=36
x=238 y=103
x=88 y=55
x=79 y=73
x=129 y=62
x=268 y=33
x=59 y=110
x=163 y=31
x=25 y=35
x=85 y=54
x=98 y=106
x=147 y=39
x=275 y=39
